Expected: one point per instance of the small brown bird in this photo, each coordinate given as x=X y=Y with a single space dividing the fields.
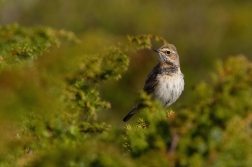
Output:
x=165 y=82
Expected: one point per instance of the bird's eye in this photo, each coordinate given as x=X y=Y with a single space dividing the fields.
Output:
x=168 y=52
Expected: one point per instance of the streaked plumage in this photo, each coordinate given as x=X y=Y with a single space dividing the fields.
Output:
x=165 y=82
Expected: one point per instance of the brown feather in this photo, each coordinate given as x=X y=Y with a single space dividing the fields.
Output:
x=151 y=80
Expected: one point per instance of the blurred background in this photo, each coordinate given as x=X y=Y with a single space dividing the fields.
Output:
x=202 y=31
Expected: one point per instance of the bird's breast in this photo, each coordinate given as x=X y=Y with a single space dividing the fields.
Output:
x=169 y=88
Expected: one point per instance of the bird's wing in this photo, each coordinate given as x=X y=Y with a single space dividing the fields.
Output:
x=151 y=80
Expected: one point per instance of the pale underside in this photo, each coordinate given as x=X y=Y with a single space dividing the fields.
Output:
x=169 y=88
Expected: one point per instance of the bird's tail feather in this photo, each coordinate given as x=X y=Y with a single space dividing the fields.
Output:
x=130 y=114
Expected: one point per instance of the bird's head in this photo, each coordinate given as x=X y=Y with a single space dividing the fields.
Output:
x=168 y=54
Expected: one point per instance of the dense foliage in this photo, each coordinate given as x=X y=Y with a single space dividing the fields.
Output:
x=50 y=105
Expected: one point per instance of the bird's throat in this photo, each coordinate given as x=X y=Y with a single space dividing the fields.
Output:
x=168 y=68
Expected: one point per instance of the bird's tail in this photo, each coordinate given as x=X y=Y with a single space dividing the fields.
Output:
x=133 y=111
x=130 y=114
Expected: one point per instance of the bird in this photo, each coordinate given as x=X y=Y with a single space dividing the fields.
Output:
x=165 y=82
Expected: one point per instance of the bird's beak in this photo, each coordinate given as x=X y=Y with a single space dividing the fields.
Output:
x=156 y=50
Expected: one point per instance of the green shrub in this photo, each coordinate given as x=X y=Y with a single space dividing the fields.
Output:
x=50 y=105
